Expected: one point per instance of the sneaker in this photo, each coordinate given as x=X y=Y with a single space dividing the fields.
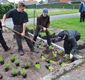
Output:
x=71 y=56
x=7 y=49
x=35 y=51
x=21 y=52
x=78 y=56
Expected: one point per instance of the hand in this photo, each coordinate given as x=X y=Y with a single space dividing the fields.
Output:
x=3 y=24
x=23 y=34
x=44 y=29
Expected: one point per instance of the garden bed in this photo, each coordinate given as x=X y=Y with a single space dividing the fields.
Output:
x=47 y=61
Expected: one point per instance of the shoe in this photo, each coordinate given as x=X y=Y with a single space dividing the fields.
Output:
x=78 y=56
x=35 y=51
x=21 y=52
x=71 y=56
x=7 y=49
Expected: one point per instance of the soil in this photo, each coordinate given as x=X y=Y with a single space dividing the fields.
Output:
x=32 y=72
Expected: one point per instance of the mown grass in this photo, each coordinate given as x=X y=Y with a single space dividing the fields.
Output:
x=70 y=23
x=30 y=12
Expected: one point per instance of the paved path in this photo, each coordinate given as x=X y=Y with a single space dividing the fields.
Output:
x=77 y=74
x=56 y=17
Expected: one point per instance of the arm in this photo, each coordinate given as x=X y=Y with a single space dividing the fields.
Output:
x=80 y=9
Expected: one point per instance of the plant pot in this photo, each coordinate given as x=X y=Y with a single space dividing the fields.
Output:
x=18 y=64
x=24 y=76
x=6 y=69
x=2 y=62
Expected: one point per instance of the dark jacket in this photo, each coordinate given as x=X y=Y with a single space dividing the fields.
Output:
x=69 y=34
x=43 y=21
x=0 y=25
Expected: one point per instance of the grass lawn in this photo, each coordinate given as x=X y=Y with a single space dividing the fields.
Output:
x=51 y=12
x=70 y=23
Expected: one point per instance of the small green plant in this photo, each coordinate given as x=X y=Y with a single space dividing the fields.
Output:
x=13 y=58
x=1 y=60
x=17 y=62
x=49 y=67
x=37 y=65
x=51 y=47
x=14 y=72
x=27 y=65
x=6 y=66
x=23 y=72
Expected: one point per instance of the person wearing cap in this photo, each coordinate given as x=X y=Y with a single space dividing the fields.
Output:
x=43 y=22
x=70 y=38
x=2 y=41
x=20 y=19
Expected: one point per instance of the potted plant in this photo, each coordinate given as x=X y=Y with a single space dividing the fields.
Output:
x=6 y=66
x=14 y=72
x=1 y=60
x=17 y=62
x=23 y=72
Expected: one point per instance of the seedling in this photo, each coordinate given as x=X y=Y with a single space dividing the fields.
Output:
x=51 y=61
x=14 y=72
x=1 y=60
x=7 y=67
x=51 y=47
x=50 y=68
x=13 y=58
x=27 y=65
x=37 y=65
x=23 y=72
x=17 y=62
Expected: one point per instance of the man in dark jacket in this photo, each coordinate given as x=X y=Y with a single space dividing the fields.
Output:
x=20 y=19
x=2 y=41
x=82 y=11
x=43 y=22
x=70 y=38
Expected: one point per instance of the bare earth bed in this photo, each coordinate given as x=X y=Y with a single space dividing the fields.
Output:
x=52 y=57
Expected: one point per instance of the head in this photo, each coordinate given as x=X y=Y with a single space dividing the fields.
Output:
x=45 y=12
x=21 y=6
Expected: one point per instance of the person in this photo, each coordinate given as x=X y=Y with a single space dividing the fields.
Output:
x=20 y=19
x=2 y=41
x=82 y=11
x=70 y=38
x=43 y=22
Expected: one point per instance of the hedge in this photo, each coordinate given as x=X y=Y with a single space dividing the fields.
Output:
x=4 y=8
x=55 y=5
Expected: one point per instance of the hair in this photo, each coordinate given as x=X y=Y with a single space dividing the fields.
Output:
x=21 y=4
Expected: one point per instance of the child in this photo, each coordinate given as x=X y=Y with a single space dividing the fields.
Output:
x=2 y=41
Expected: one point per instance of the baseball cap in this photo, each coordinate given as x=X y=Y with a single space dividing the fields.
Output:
x=45 y=10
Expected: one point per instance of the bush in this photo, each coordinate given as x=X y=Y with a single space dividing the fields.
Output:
x=5 y=8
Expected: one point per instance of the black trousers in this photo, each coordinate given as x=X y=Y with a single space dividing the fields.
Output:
x=47 y=34
x=70 y=46
x=82 y=16
x=2 y=41
x=18 y=38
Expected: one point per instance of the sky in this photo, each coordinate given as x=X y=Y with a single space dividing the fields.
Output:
x=19 y=0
